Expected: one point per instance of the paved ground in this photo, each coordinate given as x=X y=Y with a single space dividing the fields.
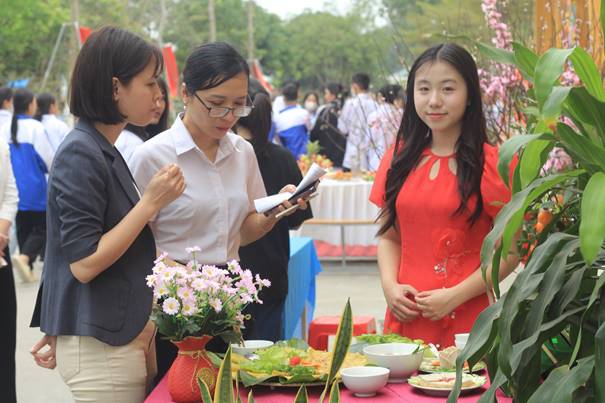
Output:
x=360 y=281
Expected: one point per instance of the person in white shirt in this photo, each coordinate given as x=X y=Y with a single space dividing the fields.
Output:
x=31 y=158
x=56 y=129
x=8 y=300
x=133 y=136
x=384 y=123
x=6 y=105
x=292 y=124
x=216 y=212
x=311 y=104
x=353 y=122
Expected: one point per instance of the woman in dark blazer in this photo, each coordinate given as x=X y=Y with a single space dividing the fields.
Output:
x=93 y=304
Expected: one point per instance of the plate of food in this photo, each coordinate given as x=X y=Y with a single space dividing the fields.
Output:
x=365 y=340
x=446 y=362
x=290 y=363
x=441 y=383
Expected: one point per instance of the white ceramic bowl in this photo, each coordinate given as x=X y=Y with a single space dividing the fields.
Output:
x=402 y=359
x=460 y=344
x=461 y=337
x=250 y=346
x=364 y=381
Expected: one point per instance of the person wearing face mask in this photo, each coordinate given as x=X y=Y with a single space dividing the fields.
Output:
x=311 y=104
x=216 y=213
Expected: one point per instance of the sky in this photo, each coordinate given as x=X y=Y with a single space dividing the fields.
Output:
x=290 y=8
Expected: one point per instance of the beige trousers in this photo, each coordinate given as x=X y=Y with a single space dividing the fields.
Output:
x=97 y=372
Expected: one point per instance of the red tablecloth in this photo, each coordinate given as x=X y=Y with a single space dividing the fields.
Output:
x=393 y=392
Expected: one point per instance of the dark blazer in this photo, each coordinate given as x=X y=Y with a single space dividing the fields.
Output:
x=90 y=190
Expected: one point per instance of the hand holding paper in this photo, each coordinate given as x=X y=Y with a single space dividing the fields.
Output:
x=268 y=203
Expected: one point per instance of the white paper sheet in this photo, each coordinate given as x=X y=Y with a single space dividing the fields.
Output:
x=270 y=202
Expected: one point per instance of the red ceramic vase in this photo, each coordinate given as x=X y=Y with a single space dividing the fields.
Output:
x=190 y=363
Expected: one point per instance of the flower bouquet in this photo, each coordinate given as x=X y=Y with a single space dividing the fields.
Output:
x=193 y=303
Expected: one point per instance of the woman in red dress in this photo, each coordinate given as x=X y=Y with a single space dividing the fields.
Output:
x=438 y=196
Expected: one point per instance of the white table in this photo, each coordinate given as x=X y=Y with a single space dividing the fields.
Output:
x=345 y=202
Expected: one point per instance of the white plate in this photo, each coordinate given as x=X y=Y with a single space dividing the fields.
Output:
x=479 y=381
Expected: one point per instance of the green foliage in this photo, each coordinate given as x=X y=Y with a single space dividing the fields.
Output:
x=560 y=290
x=223 y=392
x=28 y=29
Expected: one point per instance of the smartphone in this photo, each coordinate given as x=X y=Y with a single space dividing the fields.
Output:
x=302 y=194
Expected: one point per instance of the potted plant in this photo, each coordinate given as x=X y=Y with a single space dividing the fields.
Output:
x=192 y=304
x=560 y=290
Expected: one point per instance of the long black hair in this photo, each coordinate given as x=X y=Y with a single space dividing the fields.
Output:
x=414 y=137
x=258 y=122
x=22 y=99
x=44 y=101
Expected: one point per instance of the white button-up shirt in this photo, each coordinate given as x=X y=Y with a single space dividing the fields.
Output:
x=354 y=123
x=218 y=197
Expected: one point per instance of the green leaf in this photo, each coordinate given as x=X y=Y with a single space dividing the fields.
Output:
x=582 y=107
x=344 y=334
x=599 y=367
x=554 y=103
x=496 y=54
x=334 y=393
x=489 y=396
x=301 y=396
x=508 y=150
x=593 y=297
x=532 y=160
x=510 y=218
x=223 y=391
x=525 y=60
x=250 y=380
x=563 y=382
x=205 y=392
x=548 y=69
x=583 y=151
x=592 y=225
x=479 y=342
x=525 y=285
x=588 y=72
x=554 y=278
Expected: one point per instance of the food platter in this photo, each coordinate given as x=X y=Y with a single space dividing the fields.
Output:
x=288 y=364
x=441 y=383
x=431 y=365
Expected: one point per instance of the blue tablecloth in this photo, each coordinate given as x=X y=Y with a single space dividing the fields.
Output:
x=302 y=269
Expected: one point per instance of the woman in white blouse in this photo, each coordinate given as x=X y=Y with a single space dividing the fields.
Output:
x=8 y=301
x=216 y=211
x=56 y=129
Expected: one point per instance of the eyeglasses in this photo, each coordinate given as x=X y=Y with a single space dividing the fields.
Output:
x=222 y=111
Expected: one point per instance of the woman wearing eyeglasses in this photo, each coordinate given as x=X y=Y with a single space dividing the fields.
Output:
x=216 y=211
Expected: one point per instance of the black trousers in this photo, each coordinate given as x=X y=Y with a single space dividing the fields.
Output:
x=8 y=334
x=265 y=321
x=31 y=234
